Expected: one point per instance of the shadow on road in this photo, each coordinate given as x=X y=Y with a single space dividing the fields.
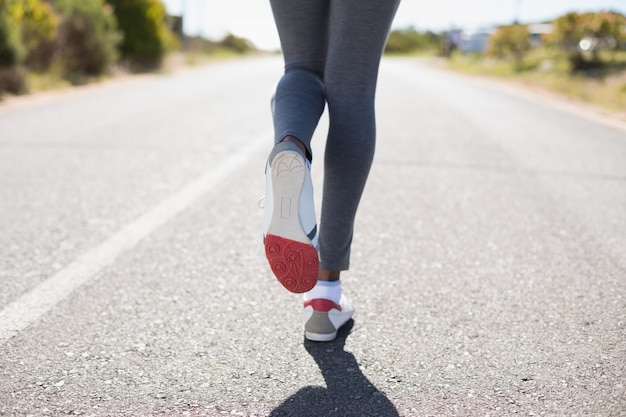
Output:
x=348 y=392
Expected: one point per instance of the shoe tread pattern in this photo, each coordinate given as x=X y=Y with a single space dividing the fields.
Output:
x=292 y=257
x=294 y=264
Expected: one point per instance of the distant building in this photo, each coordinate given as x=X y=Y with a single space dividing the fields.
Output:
x=475 y=41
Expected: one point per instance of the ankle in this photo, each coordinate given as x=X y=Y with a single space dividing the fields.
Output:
x=328 y=275
x=328 y=290
x=296 y=142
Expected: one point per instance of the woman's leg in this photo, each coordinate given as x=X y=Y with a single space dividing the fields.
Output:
x=300 y=99
x=290 y=222
x=358 y=31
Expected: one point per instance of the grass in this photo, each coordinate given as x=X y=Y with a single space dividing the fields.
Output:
x=602 y=86
x=196 y=58
x=54 y=80
x=543 y=69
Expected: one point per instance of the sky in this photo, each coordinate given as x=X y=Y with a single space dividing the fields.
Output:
x=252 y=19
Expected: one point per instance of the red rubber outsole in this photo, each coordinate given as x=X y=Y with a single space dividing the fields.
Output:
x=295 y=264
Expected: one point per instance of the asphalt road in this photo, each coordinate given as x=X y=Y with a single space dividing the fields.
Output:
x=488 y=270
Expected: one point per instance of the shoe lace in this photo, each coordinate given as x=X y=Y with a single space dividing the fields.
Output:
x=261 y=202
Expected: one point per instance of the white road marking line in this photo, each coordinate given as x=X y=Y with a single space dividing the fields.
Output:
x=38 y=301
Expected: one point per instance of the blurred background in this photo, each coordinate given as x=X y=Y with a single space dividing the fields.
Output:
x=574 y=47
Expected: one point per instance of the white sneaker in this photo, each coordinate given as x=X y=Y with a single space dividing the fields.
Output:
x=322 y=318
x=290 y=226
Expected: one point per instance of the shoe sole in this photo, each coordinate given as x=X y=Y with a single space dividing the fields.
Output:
x=317 y=337
x=292 y=257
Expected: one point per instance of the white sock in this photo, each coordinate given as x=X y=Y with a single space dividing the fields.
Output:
x=329 y=290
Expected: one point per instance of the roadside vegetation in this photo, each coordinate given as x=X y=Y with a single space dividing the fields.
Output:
x=52 y=43
x=582 y=56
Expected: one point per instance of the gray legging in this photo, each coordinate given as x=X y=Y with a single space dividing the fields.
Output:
x=332 y=50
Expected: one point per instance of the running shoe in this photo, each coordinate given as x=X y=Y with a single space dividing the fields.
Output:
x=323 y=318
x=290 y=226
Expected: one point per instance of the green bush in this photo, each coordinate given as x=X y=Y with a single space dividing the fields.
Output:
x=12 y=50
x=147 y=38
x=236 y=44
x=510 y=42
x=601 y=31
x=26 y=28
x=38 y=24
x=88 y=37
x=404 y=41
x=12 y=80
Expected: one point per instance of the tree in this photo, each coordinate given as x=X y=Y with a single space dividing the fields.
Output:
x=39 y=25
x=584 y=35
x=607 y=28
x=12 y=50
x=147 y=38
x=37 y=21
x=510 y=42
x=568 y=31
x=25 y=25
x=88 y=37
